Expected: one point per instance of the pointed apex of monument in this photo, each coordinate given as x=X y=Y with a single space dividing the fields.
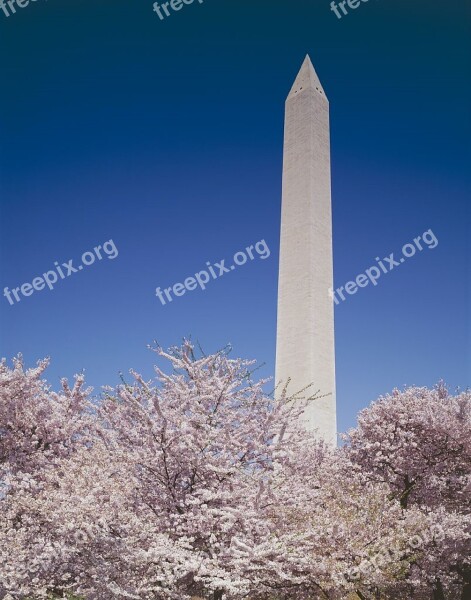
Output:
x=307 y=79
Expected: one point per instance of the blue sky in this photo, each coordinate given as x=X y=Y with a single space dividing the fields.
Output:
x=166 y=137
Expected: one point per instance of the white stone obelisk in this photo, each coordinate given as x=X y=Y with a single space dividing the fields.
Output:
x=305 y=350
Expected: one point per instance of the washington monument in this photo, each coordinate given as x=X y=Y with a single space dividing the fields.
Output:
x=305 y=330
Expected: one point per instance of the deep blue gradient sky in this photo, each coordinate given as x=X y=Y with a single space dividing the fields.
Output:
x=166 y=136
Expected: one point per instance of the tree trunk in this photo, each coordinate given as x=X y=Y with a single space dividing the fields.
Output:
x=466 y=593
x=438 y=591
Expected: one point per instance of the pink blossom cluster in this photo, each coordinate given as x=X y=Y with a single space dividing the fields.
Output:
x=198 y=484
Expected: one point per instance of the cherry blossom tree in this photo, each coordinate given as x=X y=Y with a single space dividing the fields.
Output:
x=201 y=446
x=418 y=442
x=39 y=429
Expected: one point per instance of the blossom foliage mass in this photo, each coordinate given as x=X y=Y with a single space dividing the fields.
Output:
x=199 y=484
